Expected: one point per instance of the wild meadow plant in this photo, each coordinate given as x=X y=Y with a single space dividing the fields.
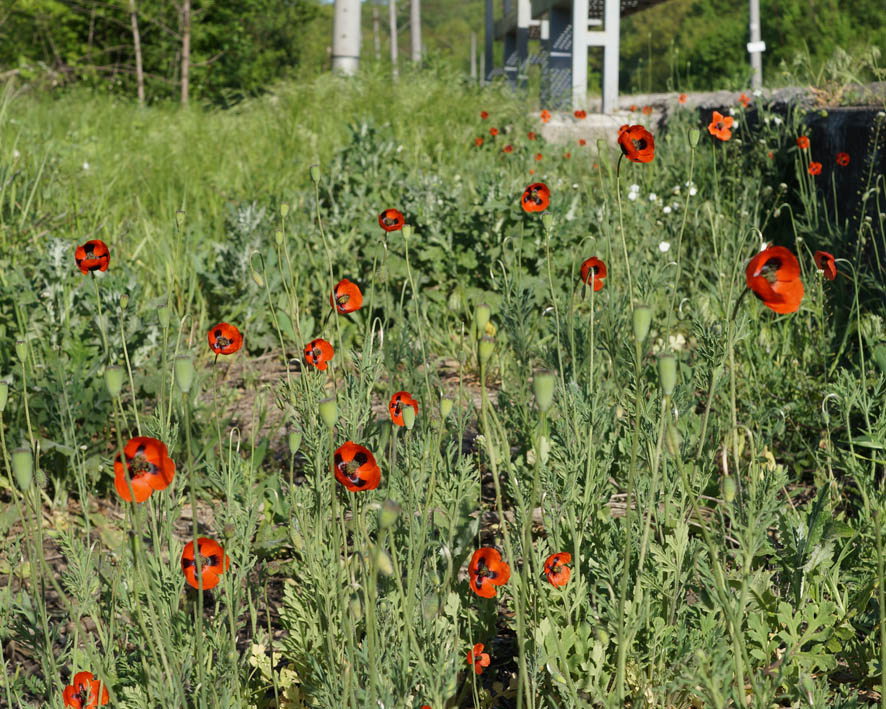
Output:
x=475 y=426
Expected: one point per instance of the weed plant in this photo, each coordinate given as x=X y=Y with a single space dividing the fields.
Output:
x=713 y=469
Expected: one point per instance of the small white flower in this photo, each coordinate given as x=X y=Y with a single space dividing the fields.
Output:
x=85 y=165
x=776 y=120
x=632 y=196
x=634 y=188
x=693 y=191
x=16 y=153
x=652 y=197
x=676 y=206
x=664 y=246
x=667 y=209
x=575 y=185
x=676 y=190
x=758 y=93
x=399 y=148
x=731 y=111
x=677 y=341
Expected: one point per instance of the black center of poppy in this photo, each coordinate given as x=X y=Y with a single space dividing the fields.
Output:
x=342 y=299
x=221 y=342
x=207 y=561
x=483 y=571
x=389 y=221
x=719 y=125
x=769 y=270
x=139 y=465
x=639 y=144
x=316 y=354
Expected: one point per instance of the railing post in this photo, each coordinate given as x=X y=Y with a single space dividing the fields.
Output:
x=611 y=24
x=579 y=53
x=489 y=39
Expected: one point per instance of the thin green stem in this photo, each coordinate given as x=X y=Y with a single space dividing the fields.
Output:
x=621 y=225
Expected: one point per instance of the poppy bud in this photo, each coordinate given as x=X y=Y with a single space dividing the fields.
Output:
x=124 y=301
x=163 y=316
x=294 y=441
x=602 y=147
x=259 y=281
x=548 y=221
x=408 y=230
x=114 y=380
x=481 y=316
x=180 y=218
x=390 y=510
x=673 y=439
x=284 y=209
x=328 y=412
x=23 y=468
x=445 y=407
x=4 y=395
x=315 y=173
x=694 y=137
x=278 y=237
x=544 y=448
x=430 y=607
x=543 y=386
x=603 y=637
x=408 y=414
x=727 y=488
x=184 y=373
x=879 y=358
x=642 y=321
x=383 y=562
x=356 y=606
x=21 y=349
x=667 y=372
x=487 y=344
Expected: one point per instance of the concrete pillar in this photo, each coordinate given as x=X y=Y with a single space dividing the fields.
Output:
x=489 y=41
x=580 y=54
x=346 y=36
x=756 y=46
x=612 y=27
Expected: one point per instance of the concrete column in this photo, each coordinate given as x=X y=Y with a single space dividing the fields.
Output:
x=612 y=27
x=473 y=56
x=346 y=36
x=580 y=54
x=756 y=46
x=415 y=30
x=489 y=41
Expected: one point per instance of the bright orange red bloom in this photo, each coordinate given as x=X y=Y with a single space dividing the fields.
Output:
x=636 y=143
x=556 y=570
x=493 y=132
x=536 y=197
x=486 y=571
x=392 y=219
x=744 y=100
x=84 y=692
x=843 y=159
x=484 y=115
x=531 y=135
x=319 y=353
x=398 y=402
x=538 y=157
x=633 y=108
x=721 y=126
x=508 y=149
x=545 y=115
x=148 y=465
x=596 y=269
x=354 y=467
x=582 y=141
x=682 y=98
x=774 y=277
x=567 y=156
x=770 y=155
x=531 y=171
x=803 y=142
x=224 y=339
x=814 y=168
x=346 y=298
x=825 y=263
x=647 y=110
x=92 y=256
x=478 y=141
x=478 y=659
x=580 y=113
x=213 y=563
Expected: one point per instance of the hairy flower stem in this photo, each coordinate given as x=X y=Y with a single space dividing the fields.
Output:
x=101 y=319
x=621 y=224
x=419 y=319
x=679 y=254
x=554 y=302
x=138 y=424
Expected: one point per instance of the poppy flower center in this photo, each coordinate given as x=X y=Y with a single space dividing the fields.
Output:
x=535 y=196
x=483 y=571
x=351 y=467
x=221 y=341
x=389 y=221
x=316 y=354
x=638 y=145
x=769 y=270
x=342 y=299
x=719 y=125
x=140 y=465
x=206 y=561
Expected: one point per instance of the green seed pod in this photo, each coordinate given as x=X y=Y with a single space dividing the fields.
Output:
x=445 y=407
x=667 y=372
x=383 y=562
x=294 y=442
x=278 y=237
x=124 y=301
x=602 y=147
x=543 y=386
x=544 y=449
x=408 y=230
x=114 y=380
x=315 y=173
x=356 y=605
x=694 y=137
x=259 y=281
x=23 y=468
x=180 y=218
x=642 y=321
x=284 y=209
x=430 y=606
x=163 y=316
x=408 y=417
x=390 y=511
x=487 y=345
x=183 y=369
x=727 y=488
x=482 y=314
x=548 y=221
x=21 y=349
x=4 y=395
x=328 y=412
x=673 y=439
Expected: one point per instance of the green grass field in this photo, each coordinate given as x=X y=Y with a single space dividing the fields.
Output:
x=711 y=460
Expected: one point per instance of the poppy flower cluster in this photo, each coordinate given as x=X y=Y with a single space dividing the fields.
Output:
x=593 y=271
x=224 y=339
x=536 y=197
x=721 y=126
x=486 y=571
x=213 y=563
x=400 y=401
x=682 y=98
x=92 y=256
x=148 y=466
x=637 y=144
x=85 y=692
x=774 y=277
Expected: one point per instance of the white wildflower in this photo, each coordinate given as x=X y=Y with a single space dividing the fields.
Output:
x=652 y=197
x=667 y=209
x=664 y=246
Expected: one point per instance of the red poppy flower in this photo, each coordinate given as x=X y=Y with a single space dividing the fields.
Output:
x=825 y=263
x=478 y=659
x=843 y=159
x=682 y=98
x=84 y=692
x=556 y=570
x=647 y=110
x=814 y=168
x=538 y=157
x=486 y=571
x=536 y=197
x=581 y=114
x=633 y=108
x=224 y=339
x=346 y=298
x=392 y=219
x=567 y=156
x=545 y=115
x=774 y=276
x=637 y=143
x=484 y=115
x=721 y=126
x=398 y=401
x=148 y=465
x=531 y=135
x=213 y=562
x=493 y=132
x=596 y=269
x=319 y=353
x=355 y=467
x=803 y=142
x=582 y=141
x=478 y=141
x=92 y=256
x=744 y=100
x=531 y=171
x=770 y=155
x=508 y=149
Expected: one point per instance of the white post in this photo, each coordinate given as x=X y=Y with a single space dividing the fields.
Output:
x=376 y=40
x=415 y=29
x=756 y=46
x=392 y=18
x=579 y=53
x=346 y=36
x=612 y=23
x=474 y=56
